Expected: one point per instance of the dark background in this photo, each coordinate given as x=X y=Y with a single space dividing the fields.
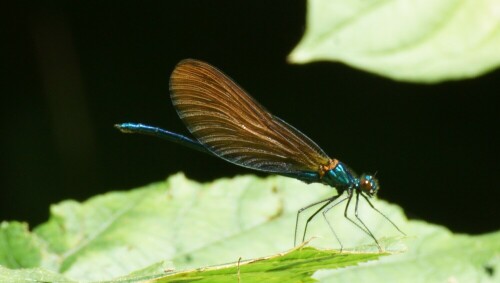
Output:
x=72 y=70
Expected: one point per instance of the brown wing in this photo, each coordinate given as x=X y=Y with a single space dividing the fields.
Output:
x=235 y=127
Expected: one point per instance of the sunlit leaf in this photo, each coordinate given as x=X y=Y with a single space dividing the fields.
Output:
x=230 y=229
x=413 y=40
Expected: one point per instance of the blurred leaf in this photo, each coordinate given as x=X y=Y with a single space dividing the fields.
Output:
x=30 y=275
x=18 y=248
x=22 y=254
x=436 y=255
x=417 y=41
x=173 y=230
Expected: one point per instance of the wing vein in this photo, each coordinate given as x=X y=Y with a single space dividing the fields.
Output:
x=233 y=125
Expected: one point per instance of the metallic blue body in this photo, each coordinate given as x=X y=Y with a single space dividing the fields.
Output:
x=134 y=128
x=339 y=177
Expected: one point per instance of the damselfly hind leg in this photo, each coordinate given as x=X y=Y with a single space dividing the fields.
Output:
x=328 y=204
x=362 y=223
x=330 y=225
x=328 y=201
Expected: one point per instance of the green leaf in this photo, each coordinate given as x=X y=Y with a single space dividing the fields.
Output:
x=18 y=248
x=417 y=41
x=22 y=254
x=183 y=230
x=30 y=275
x=295 y=266
x=435 y=256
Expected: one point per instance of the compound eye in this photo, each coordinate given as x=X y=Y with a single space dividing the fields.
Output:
x=368 y=185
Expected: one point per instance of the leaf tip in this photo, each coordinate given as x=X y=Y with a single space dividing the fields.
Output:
x=298 y=56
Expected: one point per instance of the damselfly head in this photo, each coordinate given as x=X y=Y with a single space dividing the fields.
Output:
x=368 y=184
